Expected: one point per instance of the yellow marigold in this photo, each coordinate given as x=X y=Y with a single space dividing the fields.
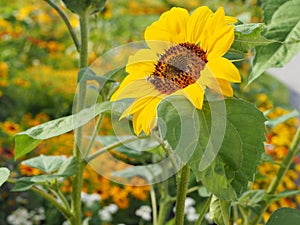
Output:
x=21 y=82
x=185 y=57
x=3 y=83
x=3 y=69
x=10 y=128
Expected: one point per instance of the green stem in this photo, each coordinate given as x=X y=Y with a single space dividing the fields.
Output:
x=203 y=210
x=51 y=199
x=111 y=146
x=67 y=22
x=182 y=186
x=285 y=165
x=94 y=135
x=154 y=205
x=78 y=178
x=164 y=208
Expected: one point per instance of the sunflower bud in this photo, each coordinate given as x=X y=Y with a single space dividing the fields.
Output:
x=81 y=6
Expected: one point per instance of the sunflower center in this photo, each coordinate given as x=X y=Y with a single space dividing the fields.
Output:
x=178 y=67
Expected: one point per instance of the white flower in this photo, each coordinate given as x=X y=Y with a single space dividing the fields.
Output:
x=144 y=212
x=105 y=215
x=89 y=199
x=112 y=208
x=191 y=214
x=188 y=202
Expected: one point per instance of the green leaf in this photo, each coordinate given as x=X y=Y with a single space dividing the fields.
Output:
x=227 y=170
x=87 y=73
x=23 y=184
x=4 y=174
x=251 y=197
x=284 y=28
x=47 y=164
x=284 y=216
x=26 y=141
x=284 y=194
x=178 y=121
x=68 y=167
x=248 y=36
x=269 y=7
x=220 y=211
x=282 y=119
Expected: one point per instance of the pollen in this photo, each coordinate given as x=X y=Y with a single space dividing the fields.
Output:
x=178 y=67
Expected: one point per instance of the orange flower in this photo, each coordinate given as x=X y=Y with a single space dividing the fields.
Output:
x=10 y=128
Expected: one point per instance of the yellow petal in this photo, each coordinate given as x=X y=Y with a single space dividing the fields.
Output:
x=230 y=20
x=170 y=28
x=135 y=89
x=214 y=22
x=223 y=69
x=220 y=42
x=220 y=86
x=194 y=93
x=146 y=118
x=140 y=65
x=197 y=23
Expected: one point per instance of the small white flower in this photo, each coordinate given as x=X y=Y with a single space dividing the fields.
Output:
x=89 y=199
x=105 y=215
x=112 y=208
x=144 y=212
x=191 y=214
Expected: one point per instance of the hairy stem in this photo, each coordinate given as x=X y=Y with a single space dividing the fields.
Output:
x=78 y=178
x=182 y=186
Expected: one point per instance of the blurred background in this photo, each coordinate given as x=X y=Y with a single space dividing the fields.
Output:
x=38 y=72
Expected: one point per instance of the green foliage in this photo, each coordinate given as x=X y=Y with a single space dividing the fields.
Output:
x=225 y=166
x=27 y=140
x=220 y=211
x=274 y=122
x=284 y=216
x=47 y=164
x=54 y=166
x=240 y=152
x=4 y=174
x=285 y=31
x=248 y=36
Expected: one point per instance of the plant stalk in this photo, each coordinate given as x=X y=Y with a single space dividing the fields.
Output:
x=67 y=22
x=203 y=210
x=182 y=186
x=78 y=178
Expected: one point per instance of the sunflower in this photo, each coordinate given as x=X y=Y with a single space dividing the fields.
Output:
x=184 y=58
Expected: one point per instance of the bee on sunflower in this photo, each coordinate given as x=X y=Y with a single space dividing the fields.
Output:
x=185 y=57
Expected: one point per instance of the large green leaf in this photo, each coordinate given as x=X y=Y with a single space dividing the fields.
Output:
x=179 y=123
x=283 y=26
x=248 y=36
x=26 y=141
x=236 y=160
x=220 y=211
x=47 y=164
x=64 y=168
x=284 y=216
x=4 y=174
